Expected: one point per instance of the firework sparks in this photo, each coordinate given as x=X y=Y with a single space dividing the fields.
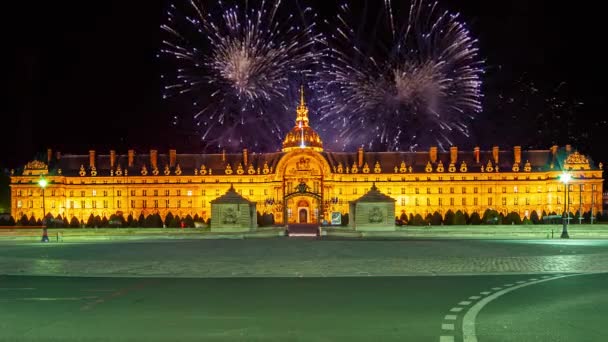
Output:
x=418 y=83
x=237 y=70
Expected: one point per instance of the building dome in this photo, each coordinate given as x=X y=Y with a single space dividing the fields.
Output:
x=302 y=135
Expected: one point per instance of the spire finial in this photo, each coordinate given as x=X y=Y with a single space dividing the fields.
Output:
x=302 y=103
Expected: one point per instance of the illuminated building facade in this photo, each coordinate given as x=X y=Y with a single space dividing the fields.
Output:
x=304 y=183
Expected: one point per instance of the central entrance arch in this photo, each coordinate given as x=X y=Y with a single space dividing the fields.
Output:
x=303 y=211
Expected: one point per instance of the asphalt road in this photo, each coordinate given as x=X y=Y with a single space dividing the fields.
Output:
x=303 y=309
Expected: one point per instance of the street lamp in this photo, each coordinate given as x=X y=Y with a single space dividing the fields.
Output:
x=565 y=178
x=43 y=183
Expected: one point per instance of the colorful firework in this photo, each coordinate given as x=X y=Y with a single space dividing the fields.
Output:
x=399 y=86
x=237 y=70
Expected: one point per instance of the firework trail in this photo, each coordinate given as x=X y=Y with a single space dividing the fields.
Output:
x=237 y=67
x=400 y=85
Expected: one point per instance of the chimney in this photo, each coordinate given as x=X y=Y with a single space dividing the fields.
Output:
x=517 y=154
x=131 y=157
x=112 y=158
x=172 y=157
x=154 y=159
x=92 y=158
x=495 y=151
x=58 y=155
x=568 y=148
x=360 y=157
x=49 y=155
x=453 y=154
x=433 y=154
x=223 y=155
x=476 y=153
x=245 y=157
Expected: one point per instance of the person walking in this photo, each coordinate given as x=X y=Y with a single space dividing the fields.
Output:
x=45 y=235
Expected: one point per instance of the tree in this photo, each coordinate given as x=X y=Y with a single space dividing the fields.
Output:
x=515 y=218
x=97 y=221
x=130 y=220
x=196 y=218
x=66 y=223
x=410 y=220
x=475 y=219
x=418 y=221
x=534 y=217
x=104 y=222
x=141 y=221
x=587 y=217
x=168 y=219
x=436 y=219
x=527 y=221
x=459 y=218
x=23 y=221
x=11 y=221
x=467 y=218
x=74 y=223
x=449 y=217
x=174 y=223
x=91 y=221
x=188 y=221
x=32 y=221
x=403 y=218
x=427 y=219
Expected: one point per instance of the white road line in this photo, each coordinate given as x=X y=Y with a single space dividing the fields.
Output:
x=468 y=323
x=447 y=326
x=464 y=302
x=474 y=297
x=450 y=317
x=497 y=288
x=507 y=285
x=485 y=293
x=456 y=309
x=533 y=279
x=446 y=338
x=520 y=282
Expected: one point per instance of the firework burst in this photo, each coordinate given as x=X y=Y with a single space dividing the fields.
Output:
x=236 y=67
x=404 y=85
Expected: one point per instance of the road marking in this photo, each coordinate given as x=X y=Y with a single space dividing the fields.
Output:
x=468 y=323
x=520 y=282
x=446 y=338
x=450 y=317
x=456 y=309
x=475 y=297
x=497 y=288
x=507 y=285
x=464 y=302
x=447 y=326
x=533 y=279
x=485 y=293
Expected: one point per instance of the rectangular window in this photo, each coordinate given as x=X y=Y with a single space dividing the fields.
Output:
x=31 y=204
x=179 y=203
x=167 y=203
x=354 y=191
x=339 y=191
x=475 y=202
x=94 y=193
x=105 y=204
x=403 y=191
x=489 y=190
x=451 y=190
x=144 y=192
x=440 y=201
x=189 y=193
x=155 y=192
x=489 y=201
x=389 y=191
x=94 y=204
x=504 y=201
x=559 y=200
x=167 y=192
x=527 y=189
x=403 y=202
x=539 y=189
x=428 y=190
x=144 y=204
x=250 y=192
x=417 y=191
x=117 y=203
x=19 y=193
x=105 y=193
x=464 y=190
x=82 y=194
x=71 y=205
x=594 y=187
x=19 y=204
x=155 y=204
x=52 y=192
x=440 y=190
x=452 y=201
x=504 y=189
x=82 y=204
x=217 y=192
x=31 y=193
x=179 y=192
x=265 y=192
x=516 y=201
x=204 y=192
x=428 y=202
x=515 y=190
x=475 y=190
x=527 y=201
x=119 y=193
x=132 y=192
x=464 y=201
x=132 y=203
x=204 y=204
x=417 y=203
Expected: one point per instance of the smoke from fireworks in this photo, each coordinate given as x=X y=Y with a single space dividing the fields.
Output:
x=237 y=69
x=416 y=83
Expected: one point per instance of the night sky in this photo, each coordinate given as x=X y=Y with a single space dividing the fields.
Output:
x=78 y=75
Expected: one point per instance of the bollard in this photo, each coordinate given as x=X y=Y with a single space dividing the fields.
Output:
x=552 y=233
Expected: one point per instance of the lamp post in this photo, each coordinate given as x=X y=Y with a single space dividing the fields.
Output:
x=565 y=178
x=43 y=183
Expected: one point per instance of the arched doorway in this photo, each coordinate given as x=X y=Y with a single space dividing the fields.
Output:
x=303 y=211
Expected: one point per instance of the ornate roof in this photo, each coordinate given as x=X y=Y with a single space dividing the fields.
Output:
x=374 y=196
x=302 y=135
x=231 y=197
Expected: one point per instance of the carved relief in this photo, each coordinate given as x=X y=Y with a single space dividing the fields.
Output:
x=375 y=215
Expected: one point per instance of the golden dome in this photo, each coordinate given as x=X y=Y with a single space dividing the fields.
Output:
x=302 y=135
